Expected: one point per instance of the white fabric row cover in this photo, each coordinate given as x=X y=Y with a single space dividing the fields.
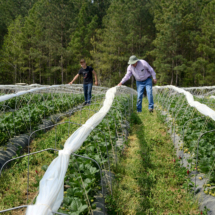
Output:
x=20 y=93
x=212 y=97
x=38 y=88
x=199 y=88
x=202 y=108
x=51 y=187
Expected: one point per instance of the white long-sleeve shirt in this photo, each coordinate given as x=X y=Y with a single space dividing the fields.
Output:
x=141 y=72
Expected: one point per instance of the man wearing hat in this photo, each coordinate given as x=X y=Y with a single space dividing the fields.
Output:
x=142 y=72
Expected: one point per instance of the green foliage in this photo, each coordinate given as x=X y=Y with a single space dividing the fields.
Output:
x=192 y=131
x=82 y=177
x=147 y=180
x=42 y=41
x=125 y=32
x=86 y=171
x=80 y=44
x=30 y=116
x=48 y=43
x=135 y=119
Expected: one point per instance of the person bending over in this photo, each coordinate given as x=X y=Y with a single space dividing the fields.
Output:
x=143 y=74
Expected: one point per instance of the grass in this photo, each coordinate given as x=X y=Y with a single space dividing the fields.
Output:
x=149 y=179
x=13 y=181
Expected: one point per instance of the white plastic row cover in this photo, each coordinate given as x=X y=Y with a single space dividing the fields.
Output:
x=202 y=108
x=52 y=184
x=20 y=93
x=199 y=88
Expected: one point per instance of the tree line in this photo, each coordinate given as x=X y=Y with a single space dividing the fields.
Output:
x=42 y=41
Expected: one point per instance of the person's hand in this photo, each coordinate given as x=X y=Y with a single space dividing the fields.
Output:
x=120 y=84
x=96 y=83
x=70 y=82
x=155 y=81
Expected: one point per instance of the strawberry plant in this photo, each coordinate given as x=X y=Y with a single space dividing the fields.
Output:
x=83 y=175
x=19 y=122
x=177 y=106
x=82 y=180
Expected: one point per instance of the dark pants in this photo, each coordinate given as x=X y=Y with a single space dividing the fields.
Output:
x=87 y=92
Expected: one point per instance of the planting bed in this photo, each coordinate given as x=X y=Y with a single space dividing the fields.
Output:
x=193 y=138
x=23 y=116
x=82 y=183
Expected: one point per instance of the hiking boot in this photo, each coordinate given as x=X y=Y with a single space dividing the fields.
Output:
x=150 y=110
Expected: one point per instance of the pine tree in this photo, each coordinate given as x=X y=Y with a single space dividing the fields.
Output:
x=80 y=44
x=204 y=65
x=128 y=29
x=11 y=52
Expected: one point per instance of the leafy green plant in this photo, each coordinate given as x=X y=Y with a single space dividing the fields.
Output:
x=31 y=116
x=177 y=104
x=82 y=180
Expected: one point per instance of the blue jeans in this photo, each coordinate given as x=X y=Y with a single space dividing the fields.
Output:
x=87 y=92
x=140 y=89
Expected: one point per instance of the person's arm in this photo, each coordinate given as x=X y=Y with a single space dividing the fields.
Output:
x=96 y=80
x=74 y=79
x=126 y=77
x=151 y=70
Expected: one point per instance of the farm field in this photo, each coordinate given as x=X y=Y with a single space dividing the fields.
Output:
x=14 y=180
x=72 y=140
x=82 y=178
x=190 y=125
x=127 y=165
x=149 y=177
x=30 y=111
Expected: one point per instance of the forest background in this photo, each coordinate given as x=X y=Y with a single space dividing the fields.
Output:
x=42 y=41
